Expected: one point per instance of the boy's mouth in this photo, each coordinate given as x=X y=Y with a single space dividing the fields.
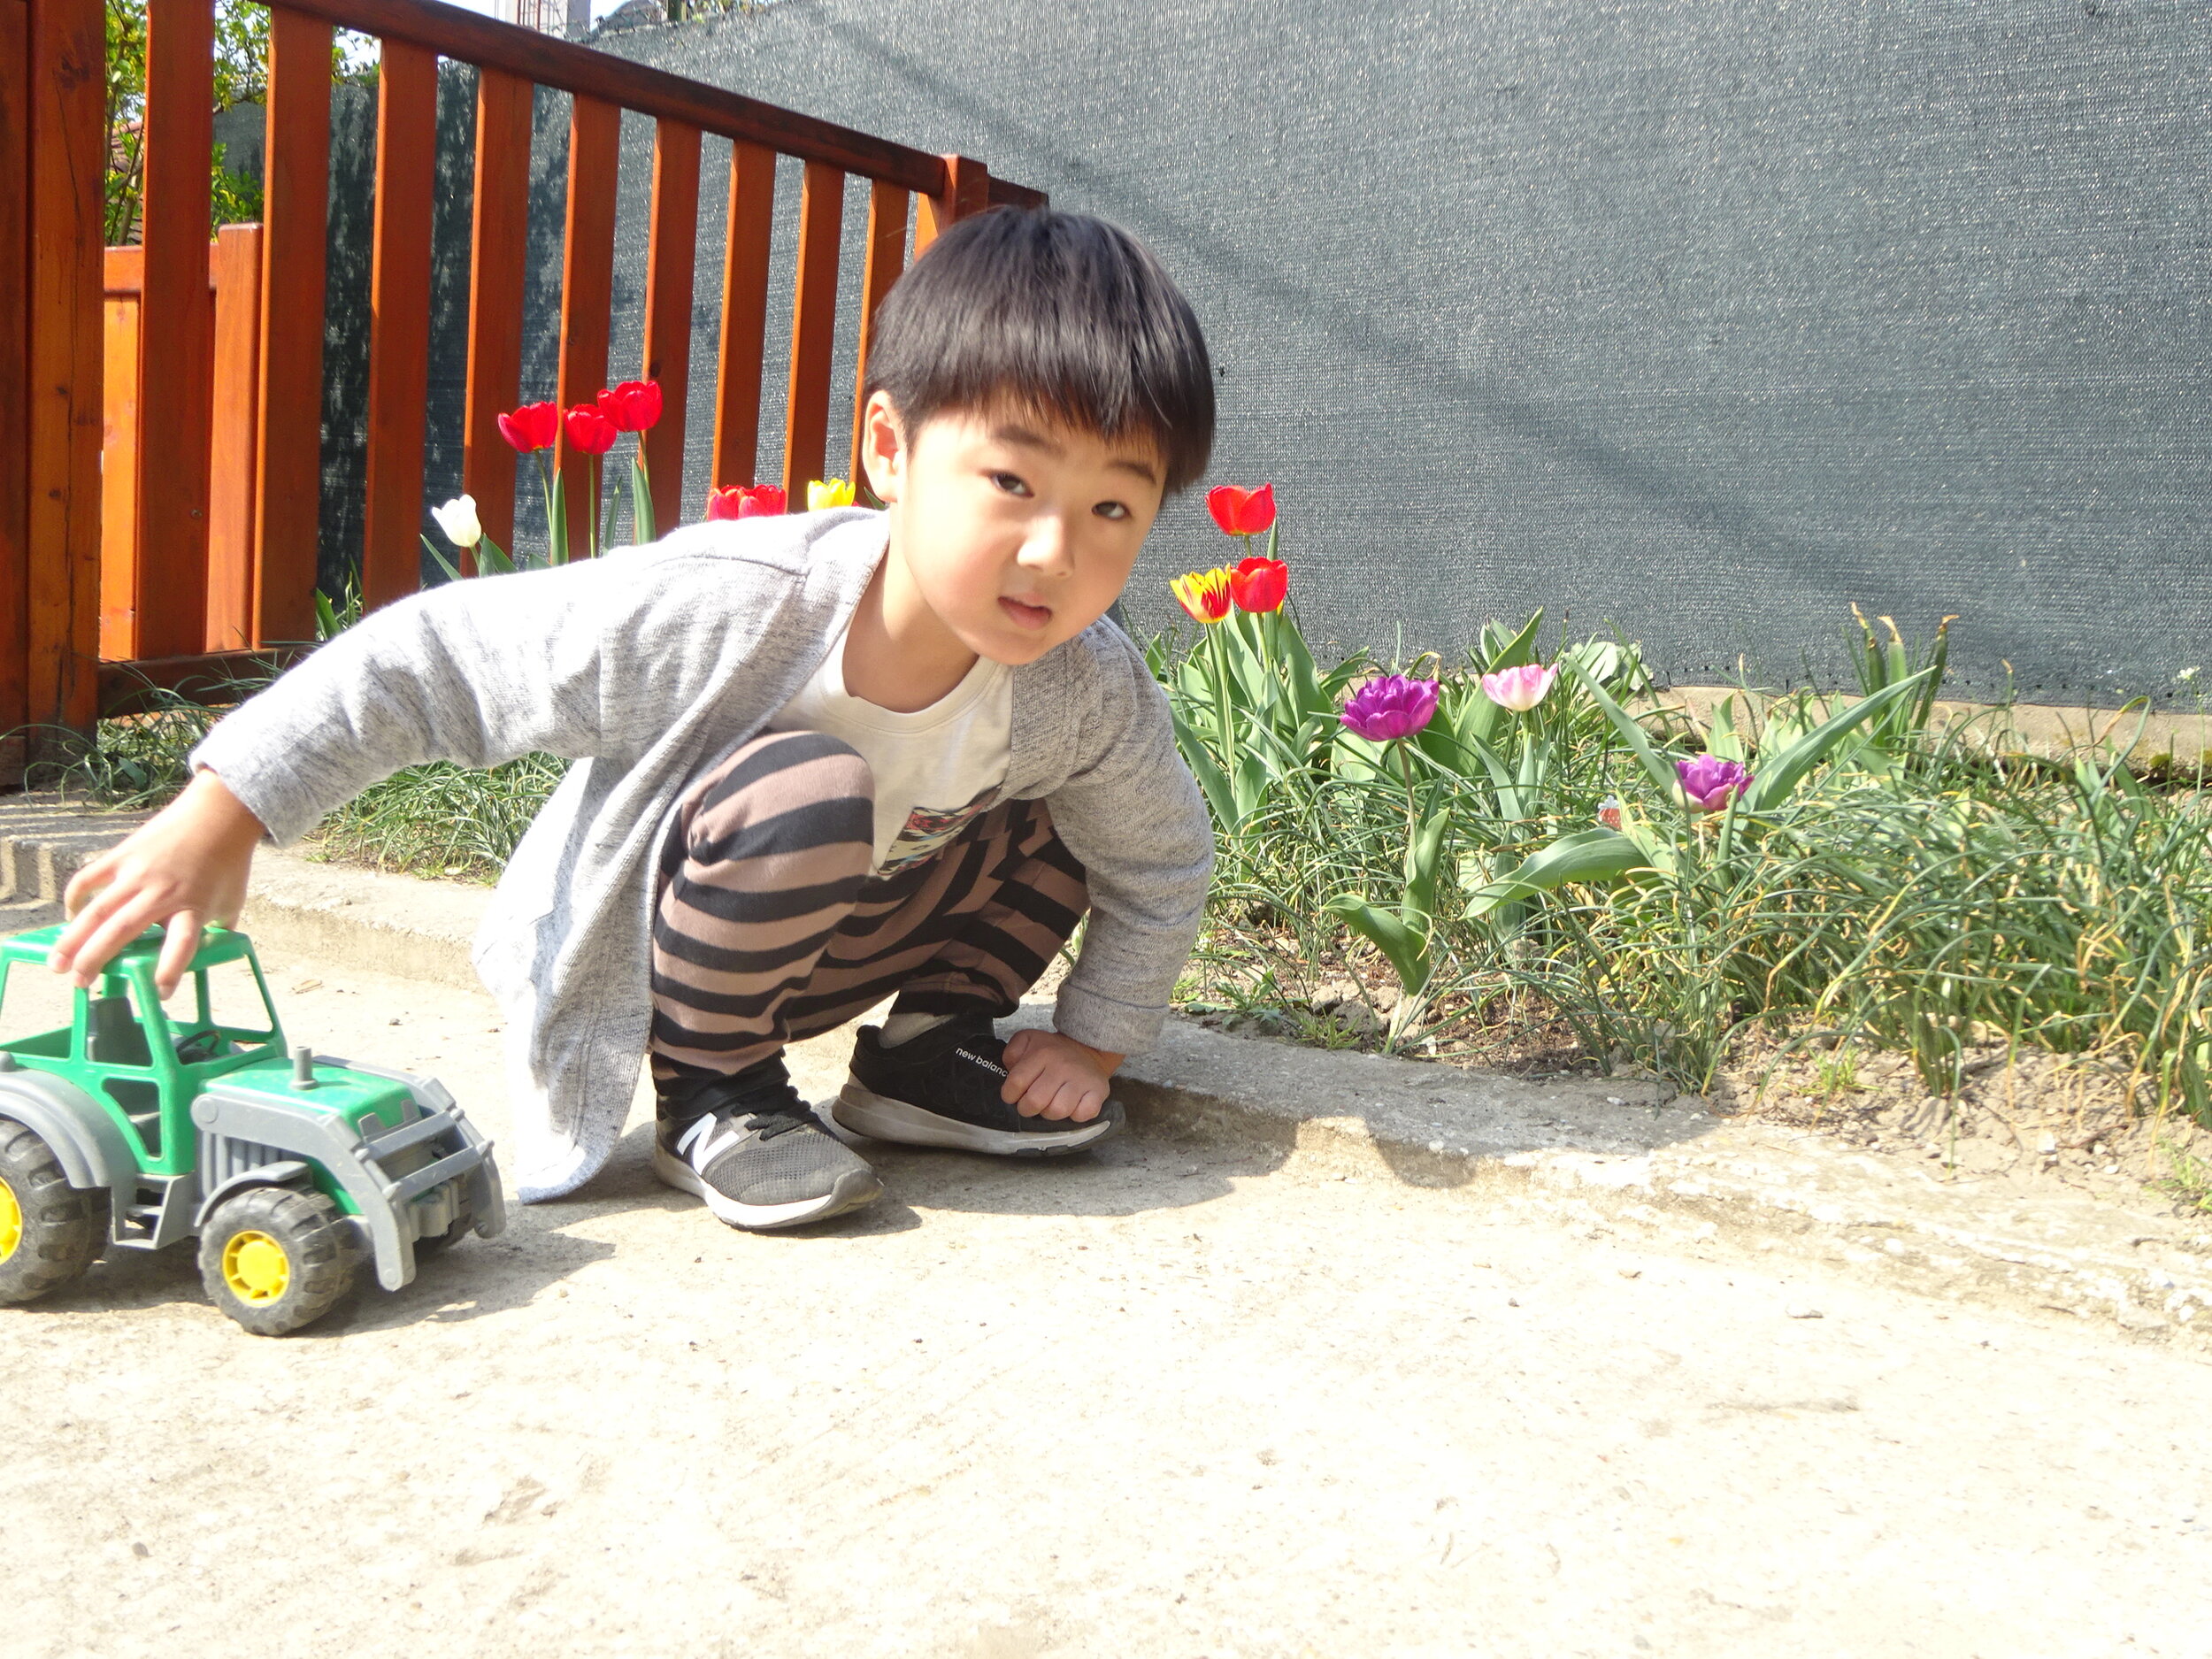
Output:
x=1023 y=615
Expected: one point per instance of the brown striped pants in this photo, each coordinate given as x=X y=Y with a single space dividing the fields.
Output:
x=770 y=925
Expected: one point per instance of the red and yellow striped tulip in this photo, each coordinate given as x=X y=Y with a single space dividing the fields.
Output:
x=1204 y=594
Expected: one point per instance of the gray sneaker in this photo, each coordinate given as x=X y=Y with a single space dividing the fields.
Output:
x=749 y=1146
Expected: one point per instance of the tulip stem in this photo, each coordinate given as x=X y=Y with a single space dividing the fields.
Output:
x=1224 y=715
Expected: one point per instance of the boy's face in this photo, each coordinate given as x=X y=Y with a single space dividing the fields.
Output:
x=1015 y=533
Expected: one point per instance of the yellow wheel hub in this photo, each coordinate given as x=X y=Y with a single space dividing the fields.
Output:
x=256 y=1268
x=10 y=1221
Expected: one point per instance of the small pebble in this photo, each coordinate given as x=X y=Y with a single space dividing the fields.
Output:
x=1632 y=1272
x=1799 y=1311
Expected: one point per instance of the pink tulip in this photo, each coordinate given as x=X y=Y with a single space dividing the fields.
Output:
x=1708 y=784
x=1519 y=689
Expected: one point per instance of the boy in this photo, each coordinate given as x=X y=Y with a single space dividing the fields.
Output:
x=819 y=759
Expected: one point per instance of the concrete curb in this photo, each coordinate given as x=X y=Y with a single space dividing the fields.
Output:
x=1630 y=1159
x=385 y=924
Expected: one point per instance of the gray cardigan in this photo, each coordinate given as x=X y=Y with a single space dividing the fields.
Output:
x=644 y=667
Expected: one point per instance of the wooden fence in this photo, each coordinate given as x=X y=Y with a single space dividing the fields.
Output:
x=220 y=516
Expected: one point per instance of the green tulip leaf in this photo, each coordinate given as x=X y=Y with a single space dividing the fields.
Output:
x=1587 y=855
x=1780 y=773
x=641 y=525
x=1211 y=781
x=1408 y=950
x=1656 y=766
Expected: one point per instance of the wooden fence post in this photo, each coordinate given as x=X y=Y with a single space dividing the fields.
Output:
x=176 y=331
x=671 y=249
x=399 y=330
x=68 y=168
x=967 y=190
x=15 y=383
x=295 y=220
x=744 y=316
x=231 y=552
x=813 y=329
x=595 y=150
x=499 y=249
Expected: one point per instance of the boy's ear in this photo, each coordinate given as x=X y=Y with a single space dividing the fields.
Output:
x=882 y=447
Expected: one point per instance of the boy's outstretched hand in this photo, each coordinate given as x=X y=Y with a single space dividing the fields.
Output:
x=186 y=865
x=1051 y=1076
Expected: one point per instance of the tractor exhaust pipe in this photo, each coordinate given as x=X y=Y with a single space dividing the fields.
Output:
x=302 y=1066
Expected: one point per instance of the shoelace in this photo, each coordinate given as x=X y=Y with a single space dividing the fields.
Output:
x=777 y=1120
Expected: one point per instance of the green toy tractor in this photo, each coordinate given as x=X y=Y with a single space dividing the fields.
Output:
x=134 y=1127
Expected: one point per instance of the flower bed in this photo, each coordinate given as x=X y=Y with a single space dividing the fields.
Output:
x=1497 y=859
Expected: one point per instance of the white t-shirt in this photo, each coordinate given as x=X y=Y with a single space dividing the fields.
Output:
x=936 y=769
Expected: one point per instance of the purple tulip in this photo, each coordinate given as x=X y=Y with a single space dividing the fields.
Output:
x=1711 y=784
x=1390 y=706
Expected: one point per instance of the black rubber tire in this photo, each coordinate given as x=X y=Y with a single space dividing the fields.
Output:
x=64 y=1228
x=317 y=1242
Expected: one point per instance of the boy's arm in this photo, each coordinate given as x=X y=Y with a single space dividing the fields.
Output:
x=1134 y=817
x=474 y=671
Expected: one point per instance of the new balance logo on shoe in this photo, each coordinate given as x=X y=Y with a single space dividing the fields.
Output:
x=753 y=1150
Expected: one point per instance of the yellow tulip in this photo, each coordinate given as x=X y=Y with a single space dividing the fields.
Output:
x=828 y=492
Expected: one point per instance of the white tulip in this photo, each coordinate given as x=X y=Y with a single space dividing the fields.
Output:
x=457 y=519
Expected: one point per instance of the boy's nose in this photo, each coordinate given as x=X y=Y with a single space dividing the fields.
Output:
x=1045 y=550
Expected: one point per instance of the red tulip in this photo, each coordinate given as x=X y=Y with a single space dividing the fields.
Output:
x=633 y=406
x=1259 y=584
x=758 y=501
x=1242 y=512
x=589 y=432
x=533 y=426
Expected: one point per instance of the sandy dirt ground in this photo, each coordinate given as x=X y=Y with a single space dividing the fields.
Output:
x=1174 y=1398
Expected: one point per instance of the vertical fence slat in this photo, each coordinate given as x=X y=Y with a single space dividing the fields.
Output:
x=125 y=278
x=813 y=329
x=967 y=190
x=15 y=382
x=887 y=256
x=670 y=260
x=499 y=250
x=230 y=547
x=176 y=330
x=294 y=212
x=68 y=162
x=744 y=316
x=594 y=140
x=399 y=325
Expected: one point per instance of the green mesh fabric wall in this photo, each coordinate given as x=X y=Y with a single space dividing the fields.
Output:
x=1696 y=322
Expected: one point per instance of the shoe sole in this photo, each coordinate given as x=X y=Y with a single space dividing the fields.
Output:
x=850 y=1191
x=878 y=1116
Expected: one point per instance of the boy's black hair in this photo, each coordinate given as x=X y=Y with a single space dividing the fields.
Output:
x=1056 y=313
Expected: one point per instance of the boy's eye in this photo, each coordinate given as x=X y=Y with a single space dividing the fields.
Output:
x=1007 y=482
x=1111 y=510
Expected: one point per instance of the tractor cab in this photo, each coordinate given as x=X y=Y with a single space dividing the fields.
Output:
x=148 y=1060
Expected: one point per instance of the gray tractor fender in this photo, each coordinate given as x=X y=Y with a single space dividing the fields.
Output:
x=329 y=1143
x=86 y=1141
x=283 y=1172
